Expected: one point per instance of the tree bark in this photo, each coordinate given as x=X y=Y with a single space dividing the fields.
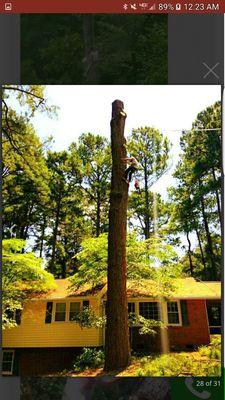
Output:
x=117 y=347
x=42 y=236
x=54 y=241
x=98 y=212
x=209 y=241
x=147 y=218
x=201 y=249
x=189 y=254
x=217 y=198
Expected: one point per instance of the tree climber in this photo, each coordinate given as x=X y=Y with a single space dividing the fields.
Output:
x=133 y=167
x=136 y=185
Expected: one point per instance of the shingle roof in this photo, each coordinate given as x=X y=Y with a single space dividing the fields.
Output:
x=183 y=288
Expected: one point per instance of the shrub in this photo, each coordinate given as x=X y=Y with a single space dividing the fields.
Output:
x=89 y=358
x=213 y=351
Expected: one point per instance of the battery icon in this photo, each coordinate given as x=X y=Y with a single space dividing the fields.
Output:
x=178 y=7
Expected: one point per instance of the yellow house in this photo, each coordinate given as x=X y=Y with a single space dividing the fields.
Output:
x=47 y=340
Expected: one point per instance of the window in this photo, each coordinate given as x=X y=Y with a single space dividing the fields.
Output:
x=14 y=315
x=74 y=310
x=48 y=314
x=85 y=303
x=150 y=310
x=7 y=362
x=60 y=312
x=173 y=312
x=131 y=308
x=214 y=316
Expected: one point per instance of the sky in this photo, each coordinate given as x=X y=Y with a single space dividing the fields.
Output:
x=83 y=109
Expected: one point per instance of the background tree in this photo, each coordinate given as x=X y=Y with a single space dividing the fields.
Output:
x=25 y=176
x=64 y=219
x=94 y=153
x=199 y=190
x=158 y=212
x=152 y=152
x=142 y=258
x=22 y=276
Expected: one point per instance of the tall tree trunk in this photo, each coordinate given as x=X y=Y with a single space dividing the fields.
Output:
x=147 y=218
x=91 y=53
x=54 y=241
x=190 y=253
x=42 y=236
x=209 y=241
x=98 y=214
x=217 y=198
x=26 y=225
x=200 y=246
x=117 y=347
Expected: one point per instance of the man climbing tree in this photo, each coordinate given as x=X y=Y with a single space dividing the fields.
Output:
x=133 y=167
x=117 y=347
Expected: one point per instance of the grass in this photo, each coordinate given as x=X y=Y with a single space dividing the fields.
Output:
x=205 y=361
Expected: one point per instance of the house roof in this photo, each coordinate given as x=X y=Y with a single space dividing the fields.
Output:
x=63 y=290
x=186 y=288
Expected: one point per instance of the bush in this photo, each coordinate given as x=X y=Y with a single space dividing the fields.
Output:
x=89 y=358
x=213 y=351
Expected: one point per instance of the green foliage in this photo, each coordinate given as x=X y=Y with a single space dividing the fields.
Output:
x=204 y=362
x=196 y=201
x=22 y=275
x=87 y=318
x=151 y=149
x=142 y=259
x=89 y=358
x=94 y=153
x=180 y=364
x=214 y=350
x=64 y=215
x=146 y=326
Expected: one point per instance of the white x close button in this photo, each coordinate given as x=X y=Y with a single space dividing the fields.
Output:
x=211 y=70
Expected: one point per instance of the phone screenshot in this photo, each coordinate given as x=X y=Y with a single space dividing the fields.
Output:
x=112 y=216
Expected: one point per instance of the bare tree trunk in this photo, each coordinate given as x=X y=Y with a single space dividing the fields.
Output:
x=189 y=254
x=42 y=236
x=54 y=241
x=147 y=218
x=217 y=198
x=209 y=241
x=98 y=214
x=117 y=347
x=200 y=246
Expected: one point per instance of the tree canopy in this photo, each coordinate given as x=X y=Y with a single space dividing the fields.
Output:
x=22 y=275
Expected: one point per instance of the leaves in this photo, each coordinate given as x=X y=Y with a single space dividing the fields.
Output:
x=22 y=275
x=145 y=260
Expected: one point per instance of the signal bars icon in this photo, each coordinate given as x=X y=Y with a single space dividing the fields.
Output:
x=152 y=7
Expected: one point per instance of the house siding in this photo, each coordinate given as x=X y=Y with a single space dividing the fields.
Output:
x=196 y=332
x=34 y=332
